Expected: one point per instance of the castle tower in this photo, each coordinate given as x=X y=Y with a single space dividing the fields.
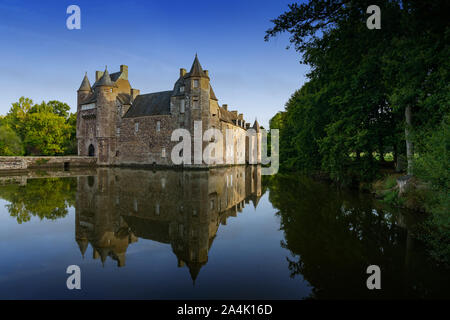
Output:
x=198 y=86
x=257 y=128
x=83 y=94
x=106 y=119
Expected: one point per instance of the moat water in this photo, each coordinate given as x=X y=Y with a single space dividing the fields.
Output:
x=224 y=233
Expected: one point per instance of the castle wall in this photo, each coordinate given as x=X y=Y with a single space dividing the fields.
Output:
x=145 y=146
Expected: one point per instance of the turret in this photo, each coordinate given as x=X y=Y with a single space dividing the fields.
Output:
x=105 y=80
x=85 y=84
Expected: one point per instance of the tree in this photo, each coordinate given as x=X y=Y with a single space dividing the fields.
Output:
x=16 y=117
x=45 y=129
x=364 y=80
x=57 y=107
x=46 y=134
x=10 y=143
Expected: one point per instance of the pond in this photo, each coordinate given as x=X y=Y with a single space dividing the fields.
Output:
x=226 y=233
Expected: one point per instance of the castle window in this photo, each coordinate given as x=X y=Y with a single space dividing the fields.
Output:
x=182 y=89
x=157 y=209
x=136 y=127
x=195 y=83
x=118 y=131
x=182 y=105
x=88 y=106
x=195 y=103
x=163 y=152
x=158 y=126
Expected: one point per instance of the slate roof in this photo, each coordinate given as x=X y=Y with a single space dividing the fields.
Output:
x=196 y=70
x=256 y=126
x=115 y=76
x=157 y=103
x=227 y=116
x=176 y=88
x=124 y=98
x=105 y=80
x=85 y=84
x=91 y=99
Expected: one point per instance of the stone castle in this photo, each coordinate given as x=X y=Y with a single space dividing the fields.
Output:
x=120 y=126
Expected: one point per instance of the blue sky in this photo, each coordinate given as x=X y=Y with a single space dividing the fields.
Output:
x=43 y=60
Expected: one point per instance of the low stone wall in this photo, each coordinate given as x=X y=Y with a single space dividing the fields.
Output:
x=24 y=163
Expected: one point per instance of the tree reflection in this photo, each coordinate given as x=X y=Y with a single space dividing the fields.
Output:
x=335 y=235
x=46 y=198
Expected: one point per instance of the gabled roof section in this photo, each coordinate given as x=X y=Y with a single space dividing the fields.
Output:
x=157 y=103
x=85 y=84
x=117 y=75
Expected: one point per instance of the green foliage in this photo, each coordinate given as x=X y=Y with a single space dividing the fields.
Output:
x=47 y=198
x=10 y=143
x=351 y=112
x=434 y=166
x=45 y=134
x=42 y=129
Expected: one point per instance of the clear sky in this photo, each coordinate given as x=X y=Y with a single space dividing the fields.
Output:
x=43 y=60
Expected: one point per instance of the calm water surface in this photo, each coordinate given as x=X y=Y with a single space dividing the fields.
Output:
x=226 y=233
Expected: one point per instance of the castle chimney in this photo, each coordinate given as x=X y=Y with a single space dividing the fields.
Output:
x=225 y=106
x=182 y=72
x=124 y=71
x=98 y=75
x=206 y=72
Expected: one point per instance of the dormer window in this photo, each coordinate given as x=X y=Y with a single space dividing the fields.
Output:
x=182 y=89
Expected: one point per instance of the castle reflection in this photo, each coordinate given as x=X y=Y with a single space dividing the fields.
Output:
x=116 y=207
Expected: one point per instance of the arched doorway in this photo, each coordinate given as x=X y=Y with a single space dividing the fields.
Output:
x=91 y=150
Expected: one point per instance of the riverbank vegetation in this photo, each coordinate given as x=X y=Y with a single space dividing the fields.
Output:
x=44 y=129
x=376 y=102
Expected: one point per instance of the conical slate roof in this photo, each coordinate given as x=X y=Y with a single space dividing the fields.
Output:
x=196 y=69
x=105 y=80
x=85 y=84
x=82 y=244
x=256 y=126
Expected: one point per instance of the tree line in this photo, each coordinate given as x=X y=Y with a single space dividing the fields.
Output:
x=373 y=99
x=45 y=129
